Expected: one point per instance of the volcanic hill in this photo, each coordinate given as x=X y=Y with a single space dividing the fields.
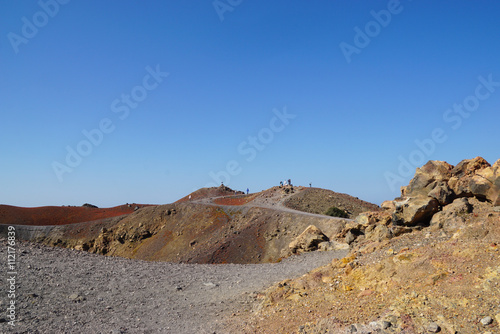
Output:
x=426 y=262
x=60 y=215
x=211 y=225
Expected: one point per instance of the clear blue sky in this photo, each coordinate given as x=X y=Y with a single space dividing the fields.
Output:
x=172 y=91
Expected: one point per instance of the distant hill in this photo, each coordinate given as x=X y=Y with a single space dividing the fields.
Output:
x=211 y=225
x=60 y=215
x=316 y=200
x=209 y=192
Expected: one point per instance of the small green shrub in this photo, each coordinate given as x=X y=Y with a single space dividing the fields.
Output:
x=336 y=212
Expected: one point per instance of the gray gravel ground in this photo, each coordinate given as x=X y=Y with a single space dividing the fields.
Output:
x=67 y=291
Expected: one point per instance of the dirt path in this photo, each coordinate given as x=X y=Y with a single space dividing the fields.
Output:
x=67 y=291
x=274 y=202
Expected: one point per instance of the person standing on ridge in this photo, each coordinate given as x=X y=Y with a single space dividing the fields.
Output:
x=247 y=191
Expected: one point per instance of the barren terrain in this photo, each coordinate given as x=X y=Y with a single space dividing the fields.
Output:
x=226 y=228
x=68 y=291
x=411 y=281
x=425 y=262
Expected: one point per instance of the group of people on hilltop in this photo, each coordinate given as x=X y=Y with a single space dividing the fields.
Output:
x=286 y=183
x=289 y=183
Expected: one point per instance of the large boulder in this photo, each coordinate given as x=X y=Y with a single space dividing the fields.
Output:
x=462 y=174
x=308 y=240
x=373 y=218
x=427 y=178
x=485 y=184
x=332 y=245
x=442 y=193
x=469 y=167
x=378 y=233
x=452 y=216
x=415 y=211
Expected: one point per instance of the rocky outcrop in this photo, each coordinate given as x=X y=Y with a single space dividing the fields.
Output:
x=332 y=245
x=444 y=182
x=462 y=174
x=439 y=195
x=308 y=240
x=452 y=215
x=427 y=178
x=441 y=278
x=486 y=184
x=371 y=226
x=415 y=211
x=422 y=282
x=437 y=184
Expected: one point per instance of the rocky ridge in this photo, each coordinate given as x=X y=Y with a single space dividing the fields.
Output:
x=212 y=225
x=438 y=196
x=427 y=263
